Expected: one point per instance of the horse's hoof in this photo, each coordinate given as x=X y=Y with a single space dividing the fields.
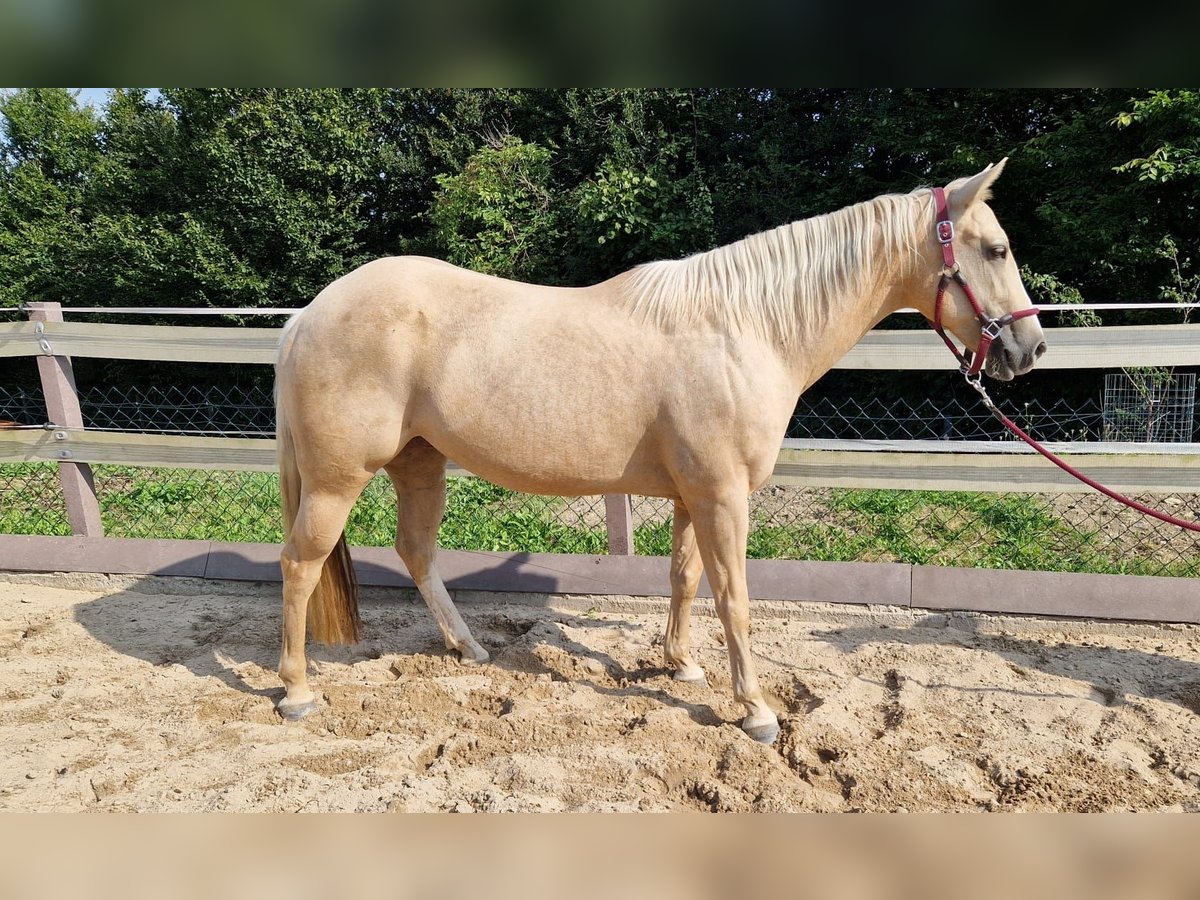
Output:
x=473 y=655
x=764 y=733
x=690 y=674
x=294 y=711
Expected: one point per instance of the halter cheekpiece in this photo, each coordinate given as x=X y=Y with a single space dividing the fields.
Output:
x=970 y=364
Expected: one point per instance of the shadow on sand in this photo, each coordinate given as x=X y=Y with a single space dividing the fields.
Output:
x=220 y=629
x=1114 y=673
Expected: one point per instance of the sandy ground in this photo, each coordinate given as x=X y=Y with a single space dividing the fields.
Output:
x=158 y=695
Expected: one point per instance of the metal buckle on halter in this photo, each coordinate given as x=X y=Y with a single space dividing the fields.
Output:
x=991 y=328
x=945 y=231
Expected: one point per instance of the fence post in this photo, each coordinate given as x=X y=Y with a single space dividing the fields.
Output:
x=62 y=408
x=618 y=517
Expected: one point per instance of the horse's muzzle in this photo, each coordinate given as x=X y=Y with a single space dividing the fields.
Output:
x=1008 y=358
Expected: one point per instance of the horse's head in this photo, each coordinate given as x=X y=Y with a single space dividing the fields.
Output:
x=985 y=264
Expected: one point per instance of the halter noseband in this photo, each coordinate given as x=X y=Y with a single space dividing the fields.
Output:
x=969 y=363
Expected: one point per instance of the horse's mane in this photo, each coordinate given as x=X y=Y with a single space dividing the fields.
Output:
x=782 y=284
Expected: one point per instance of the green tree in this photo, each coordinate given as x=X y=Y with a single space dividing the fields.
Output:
x=1171 y=121
x=1169 y=124
x=497 y=214
x=49 y=149
x=260 y=197
x=626 y=176
x=197 y=197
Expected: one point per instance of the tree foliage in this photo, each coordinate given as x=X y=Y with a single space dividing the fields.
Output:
x=259 y=197
x=497 y=214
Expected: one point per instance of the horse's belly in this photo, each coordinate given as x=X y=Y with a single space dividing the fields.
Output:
x=535 y=466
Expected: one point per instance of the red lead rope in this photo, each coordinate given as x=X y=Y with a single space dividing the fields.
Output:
x=1072 y=471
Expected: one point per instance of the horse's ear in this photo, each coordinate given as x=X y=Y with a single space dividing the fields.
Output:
x=976 y=189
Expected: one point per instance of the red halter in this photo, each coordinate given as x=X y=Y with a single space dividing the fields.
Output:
x=970 y=364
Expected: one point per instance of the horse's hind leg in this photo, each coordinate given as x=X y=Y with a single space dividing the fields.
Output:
x=419 y=476
x=313 y=536
x=686 y=567
x=722 y=525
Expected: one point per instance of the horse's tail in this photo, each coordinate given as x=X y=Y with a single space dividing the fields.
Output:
x=333 y=606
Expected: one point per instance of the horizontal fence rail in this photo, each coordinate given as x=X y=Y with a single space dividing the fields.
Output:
x=921 y=465
x=1070 y=348
x=290 y=310
x=142 y=342
x=1132 y=598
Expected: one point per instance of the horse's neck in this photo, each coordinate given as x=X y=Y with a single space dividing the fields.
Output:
x=846 y=323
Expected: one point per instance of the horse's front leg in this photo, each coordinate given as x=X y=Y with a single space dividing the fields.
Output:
x=722 y=525
x=686 y=568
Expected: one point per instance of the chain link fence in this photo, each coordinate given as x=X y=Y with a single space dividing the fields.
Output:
x=943 y=419
x=1049 y=532
x=234 y=411
x=249 y=411
x=138 y=502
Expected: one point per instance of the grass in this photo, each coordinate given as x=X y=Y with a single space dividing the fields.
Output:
x=244 y=507
x=1010 y=531
x=480 y=516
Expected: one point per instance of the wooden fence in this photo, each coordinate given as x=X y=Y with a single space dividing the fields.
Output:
x=932 y=465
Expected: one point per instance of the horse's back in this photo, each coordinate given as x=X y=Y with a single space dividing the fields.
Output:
x=401 y=282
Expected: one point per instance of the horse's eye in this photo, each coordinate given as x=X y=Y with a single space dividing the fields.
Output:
x=998 y=252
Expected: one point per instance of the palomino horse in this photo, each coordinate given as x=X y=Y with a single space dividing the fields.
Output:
x=675 y=379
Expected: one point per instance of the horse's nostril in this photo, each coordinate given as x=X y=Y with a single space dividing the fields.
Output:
x=1039 y=350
